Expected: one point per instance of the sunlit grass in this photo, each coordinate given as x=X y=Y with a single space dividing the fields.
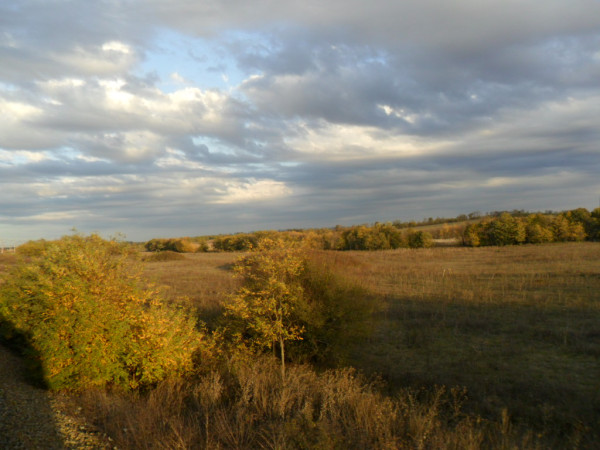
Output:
x=518 y=326
x=205 y=279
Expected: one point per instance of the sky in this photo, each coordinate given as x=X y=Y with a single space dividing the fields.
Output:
x=155 y=118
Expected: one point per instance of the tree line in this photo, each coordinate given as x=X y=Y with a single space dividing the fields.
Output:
x=474 y=229
x=507 y=229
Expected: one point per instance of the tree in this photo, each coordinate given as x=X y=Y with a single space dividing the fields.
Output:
x=538 y=229
x=419 y=239
x=595 y=227
x=471 y=235
x=263 y=308
x=566 y=230
x=506 y=230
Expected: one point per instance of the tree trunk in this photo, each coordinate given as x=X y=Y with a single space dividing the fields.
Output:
x=282 y=357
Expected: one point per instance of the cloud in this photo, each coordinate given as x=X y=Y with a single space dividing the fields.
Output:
x=252 y=191
x=184 y=117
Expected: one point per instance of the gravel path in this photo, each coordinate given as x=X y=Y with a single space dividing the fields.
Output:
x=32 y=418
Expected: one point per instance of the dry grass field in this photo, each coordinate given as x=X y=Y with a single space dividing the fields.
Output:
x=518 y=327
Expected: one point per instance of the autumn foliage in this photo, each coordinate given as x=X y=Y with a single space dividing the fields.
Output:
x=571 y=226
x=83 y=311
x=292 y=303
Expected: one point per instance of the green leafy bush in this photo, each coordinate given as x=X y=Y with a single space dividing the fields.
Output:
x=420 y=239
x=84 y=312
x=179 y=245
x=32 y=248
x=506 y=229
x=166 y=255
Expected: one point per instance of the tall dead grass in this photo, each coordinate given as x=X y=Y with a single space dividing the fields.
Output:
x=247 y=404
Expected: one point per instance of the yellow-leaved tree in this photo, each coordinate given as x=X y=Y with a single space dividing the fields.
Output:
x=263 y=310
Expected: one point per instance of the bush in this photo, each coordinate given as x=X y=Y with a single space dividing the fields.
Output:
x=83 y=310
x=419 y=239
x=471 y=235
x=166 y=255
x=32 y=248
x=505 y=230
x=566 y=230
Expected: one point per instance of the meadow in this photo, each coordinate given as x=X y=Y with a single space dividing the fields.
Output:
x=518 y=327
x=487 y=347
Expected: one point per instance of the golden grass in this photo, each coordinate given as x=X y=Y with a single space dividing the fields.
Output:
x=247 y=405
x=205 y=278
x=517 y=326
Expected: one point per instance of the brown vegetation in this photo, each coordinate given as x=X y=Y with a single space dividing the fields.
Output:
x=491 y=347
x=516 y=326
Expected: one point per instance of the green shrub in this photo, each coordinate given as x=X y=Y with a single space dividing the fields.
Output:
x=566 y=230
x=471 y=235
x=84 y=312
x=378 y=237
x=419 y=239
x=505 y=230
x=184 y=245
x=32 y=248
x=166 y=255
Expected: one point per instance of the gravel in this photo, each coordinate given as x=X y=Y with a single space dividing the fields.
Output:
x=33 y=418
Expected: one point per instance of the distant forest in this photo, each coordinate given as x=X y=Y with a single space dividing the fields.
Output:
x=475 y=229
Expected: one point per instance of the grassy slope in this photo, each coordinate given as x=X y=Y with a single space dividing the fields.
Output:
x=517 y=326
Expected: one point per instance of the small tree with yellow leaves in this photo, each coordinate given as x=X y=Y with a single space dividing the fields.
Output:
x=262 y=311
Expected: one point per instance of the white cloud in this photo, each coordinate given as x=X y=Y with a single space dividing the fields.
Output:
x=57 y=216
x=252 y=191
x=109 y=59
x=18 y=111
x=331 y=142
x=177 y=78
x=118 y=47
x=399 y=113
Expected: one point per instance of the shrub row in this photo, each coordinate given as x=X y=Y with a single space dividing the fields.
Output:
x=506 y=229
x=80 y=310
x=180 y=245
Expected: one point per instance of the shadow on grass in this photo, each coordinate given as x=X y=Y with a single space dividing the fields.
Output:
x=228 y=267
x=540 y=364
